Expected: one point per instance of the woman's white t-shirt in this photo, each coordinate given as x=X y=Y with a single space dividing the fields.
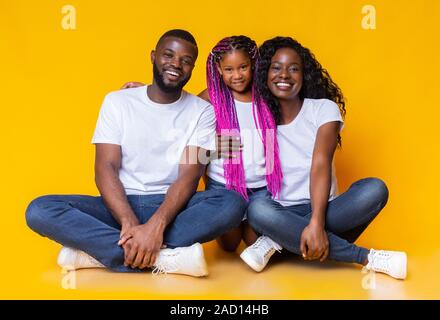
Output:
x=296 y=142
x=253 y=150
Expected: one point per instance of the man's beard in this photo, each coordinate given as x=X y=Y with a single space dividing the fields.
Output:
x=158 y=78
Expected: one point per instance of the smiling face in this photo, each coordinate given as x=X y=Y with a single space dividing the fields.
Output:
x=173 y=62
x=285 y=76
x=236 y=70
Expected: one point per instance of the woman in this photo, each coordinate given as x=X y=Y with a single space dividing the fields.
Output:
x=308 y=217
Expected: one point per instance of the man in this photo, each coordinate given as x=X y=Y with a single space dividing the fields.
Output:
x=152 y=145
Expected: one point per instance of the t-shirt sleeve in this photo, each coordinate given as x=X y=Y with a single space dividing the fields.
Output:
x=109 y=125
x=204 y=134
x=328 y=111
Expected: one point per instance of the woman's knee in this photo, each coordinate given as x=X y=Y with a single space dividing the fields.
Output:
x=378 y=190
x=371 y=193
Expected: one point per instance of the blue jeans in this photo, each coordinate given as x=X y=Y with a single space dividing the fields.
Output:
x=84 y=222
x=347 y=217
x=253 y=193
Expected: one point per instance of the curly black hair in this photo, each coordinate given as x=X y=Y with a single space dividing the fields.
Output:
x=317 y=83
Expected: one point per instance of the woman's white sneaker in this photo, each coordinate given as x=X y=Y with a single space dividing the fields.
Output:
x=257 y=255
x=183 y=260
x=73 y=259
x=393 y=263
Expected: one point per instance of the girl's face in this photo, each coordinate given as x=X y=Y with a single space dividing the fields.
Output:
x=285 y=76
x=236 y=70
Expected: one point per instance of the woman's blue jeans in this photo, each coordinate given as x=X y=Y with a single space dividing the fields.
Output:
x=347 y=217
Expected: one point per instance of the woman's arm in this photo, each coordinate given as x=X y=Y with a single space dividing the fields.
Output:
x=314 y=242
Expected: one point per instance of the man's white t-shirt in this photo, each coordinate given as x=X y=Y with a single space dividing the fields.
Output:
x=253 y=150
x=153 y=136
x=296 y=142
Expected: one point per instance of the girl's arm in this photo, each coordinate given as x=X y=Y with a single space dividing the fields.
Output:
x=314 y=242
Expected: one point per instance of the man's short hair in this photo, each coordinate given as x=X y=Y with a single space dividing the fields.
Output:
x=179 y=33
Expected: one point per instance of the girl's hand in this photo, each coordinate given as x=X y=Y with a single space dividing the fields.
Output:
x=228 y=147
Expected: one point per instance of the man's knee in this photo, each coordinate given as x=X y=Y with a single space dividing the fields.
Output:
x=35 y=212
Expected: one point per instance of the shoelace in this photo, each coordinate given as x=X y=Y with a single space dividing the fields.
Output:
x=379 y=260
x=265 y=245
x=87 y=259
x=164 y=266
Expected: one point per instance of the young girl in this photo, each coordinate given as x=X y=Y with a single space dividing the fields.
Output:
x=309 y=218
x=253 y=170
x=247 y=158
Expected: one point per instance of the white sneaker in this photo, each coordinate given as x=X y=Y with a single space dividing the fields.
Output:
x=257 y=255
x=73 y=259
x=393 y=263
x=183 y=260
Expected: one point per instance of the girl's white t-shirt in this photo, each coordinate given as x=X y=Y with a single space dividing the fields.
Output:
x=296 y=142
x=254 y=163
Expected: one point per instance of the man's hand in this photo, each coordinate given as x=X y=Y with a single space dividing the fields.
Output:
x=133 y=84
x=142 y=243
x=314 y=243
x=126 y=226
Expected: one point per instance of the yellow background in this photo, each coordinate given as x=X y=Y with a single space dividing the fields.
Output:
x=53 y=82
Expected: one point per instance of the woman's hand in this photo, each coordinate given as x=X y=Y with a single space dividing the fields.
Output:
x=314 y=242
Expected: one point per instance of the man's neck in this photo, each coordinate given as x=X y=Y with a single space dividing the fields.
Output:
x=157 y=95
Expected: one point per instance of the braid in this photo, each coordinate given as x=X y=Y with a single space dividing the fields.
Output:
x=227 y=120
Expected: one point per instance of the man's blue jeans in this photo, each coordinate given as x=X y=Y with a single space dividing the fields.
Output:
x=84 y=222
x=347 y=217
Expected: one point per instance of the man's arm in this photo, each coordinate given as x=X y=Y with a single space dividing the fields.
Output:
x=147 y=240
x=191 y=168
x=107 y=164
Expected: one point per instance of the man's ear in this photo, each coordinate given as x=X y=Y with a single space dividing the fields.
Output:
x=152 y=56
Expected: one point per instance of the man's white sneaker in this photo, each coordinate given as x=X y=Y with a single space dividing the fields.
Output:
x=393 y=263
x=73 y=259
x=183 y=260
x=257 y=255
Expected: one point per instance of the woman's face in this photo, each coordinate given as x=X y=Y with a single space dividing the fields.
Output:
x=285 y=76
x=236 y=70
